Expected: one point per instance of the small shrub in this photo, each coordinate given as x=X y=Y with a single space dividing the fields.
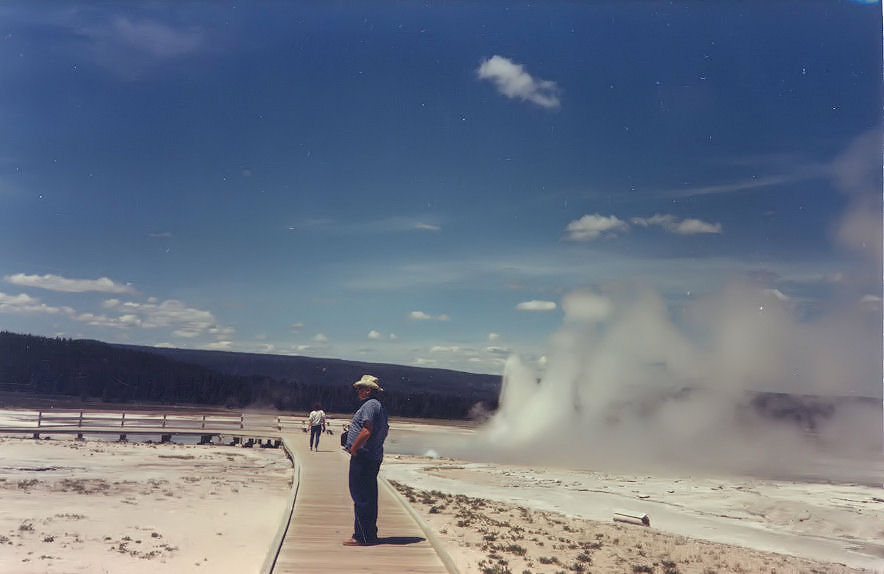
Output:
x=584 y=557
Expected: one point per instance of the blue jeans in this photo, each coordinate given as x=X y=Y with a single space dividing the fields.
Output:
x=364 y=492
x=315 y=433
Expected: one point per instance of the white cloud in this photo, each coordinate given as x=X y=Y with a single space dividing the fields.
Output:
x=870 y=303
x=393 y=336
x=393 y=224
x=19 y=300
x=319 y=338
x=130 y=46
x=513 y=81
x=443 y=349
x=220 y=345
x=672 y=224
x=498 y=351
x=187 y=322
x=155 y=38
x=804 y=173
x=493 y=337
x=58 y=283
x=375 y=335
x=25 y=304
x=535 y=305
x=421 y=316
x=591 y=227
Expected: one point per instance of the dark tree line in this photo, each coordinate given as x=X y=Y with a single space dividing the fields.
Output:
x=86 y=369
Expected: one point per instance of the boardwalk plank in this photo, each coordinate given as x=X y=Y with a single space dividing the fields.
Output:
x=323 y=517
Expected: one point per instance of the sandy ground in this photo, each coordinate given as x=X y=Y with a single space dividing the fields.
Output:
x=504 y=518
x=98 y=506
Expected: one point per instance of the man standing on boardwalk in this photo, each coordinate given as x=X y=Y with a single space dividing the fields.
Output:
x=365 y=443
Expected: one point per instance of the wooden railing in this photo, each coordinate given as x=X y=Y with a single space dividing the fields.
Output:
x=60 y=419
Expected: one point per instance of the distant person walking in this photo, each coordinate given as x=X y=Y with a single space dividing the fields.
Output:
x=317 y=425
x=365 y=443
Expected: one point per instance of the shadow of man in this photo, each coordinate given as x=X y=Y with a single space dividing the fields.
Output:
x=399 y=540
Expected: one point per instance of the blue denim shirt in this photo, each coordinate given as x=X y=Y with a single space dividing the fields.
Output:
x=371 y=410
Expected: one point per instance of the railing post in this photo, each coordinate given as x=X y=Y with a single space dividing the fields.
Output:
x=241 y=420
x=39 y=418
x=123 y=422
x=278 y=423
x=164 y=420
x=204 y=422
x=80 y=422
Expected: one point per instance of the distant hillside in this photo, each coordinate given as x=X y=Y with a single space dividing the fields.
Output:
x=89 y=369
x=319 y=371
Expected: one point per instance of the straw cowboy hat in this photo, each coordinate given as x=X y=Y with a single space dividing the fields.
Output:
x=368 y=382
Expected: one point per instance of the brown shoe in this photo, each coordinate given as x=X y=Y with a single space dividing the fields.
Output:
x=353 y=542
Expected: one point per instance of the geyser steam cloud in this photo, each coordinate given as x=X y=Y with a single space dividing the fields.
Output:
x=630 y=381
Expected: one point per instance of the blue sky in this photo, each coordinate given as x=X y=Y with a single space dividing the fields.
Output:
x=422 y=183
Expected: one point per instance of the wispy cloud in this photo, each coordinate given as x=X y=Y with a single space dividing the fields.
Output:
x=59 y=283
x=735 y=186
x=220 y=346
x=185 y=321
x=536 y=305
x=678 y=226
x=128 y=45
x=376 y=335
x=394 y=224
x=593 y=226
x=513 y=81
x=421 y=316
x=158 y=39
x=25 y=304
x=444 y=349
x=498 y=351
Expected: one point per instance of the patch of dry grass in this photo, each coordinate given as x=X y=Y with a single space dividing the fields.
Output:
x=497 y=538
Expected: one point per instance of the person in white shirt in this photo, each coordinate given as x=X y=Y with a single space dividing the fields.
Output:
x=317 y=425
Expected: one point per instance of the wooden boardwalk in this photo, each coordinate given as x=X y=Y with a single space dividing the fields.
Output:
x=322 y=511
x=323 y=517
